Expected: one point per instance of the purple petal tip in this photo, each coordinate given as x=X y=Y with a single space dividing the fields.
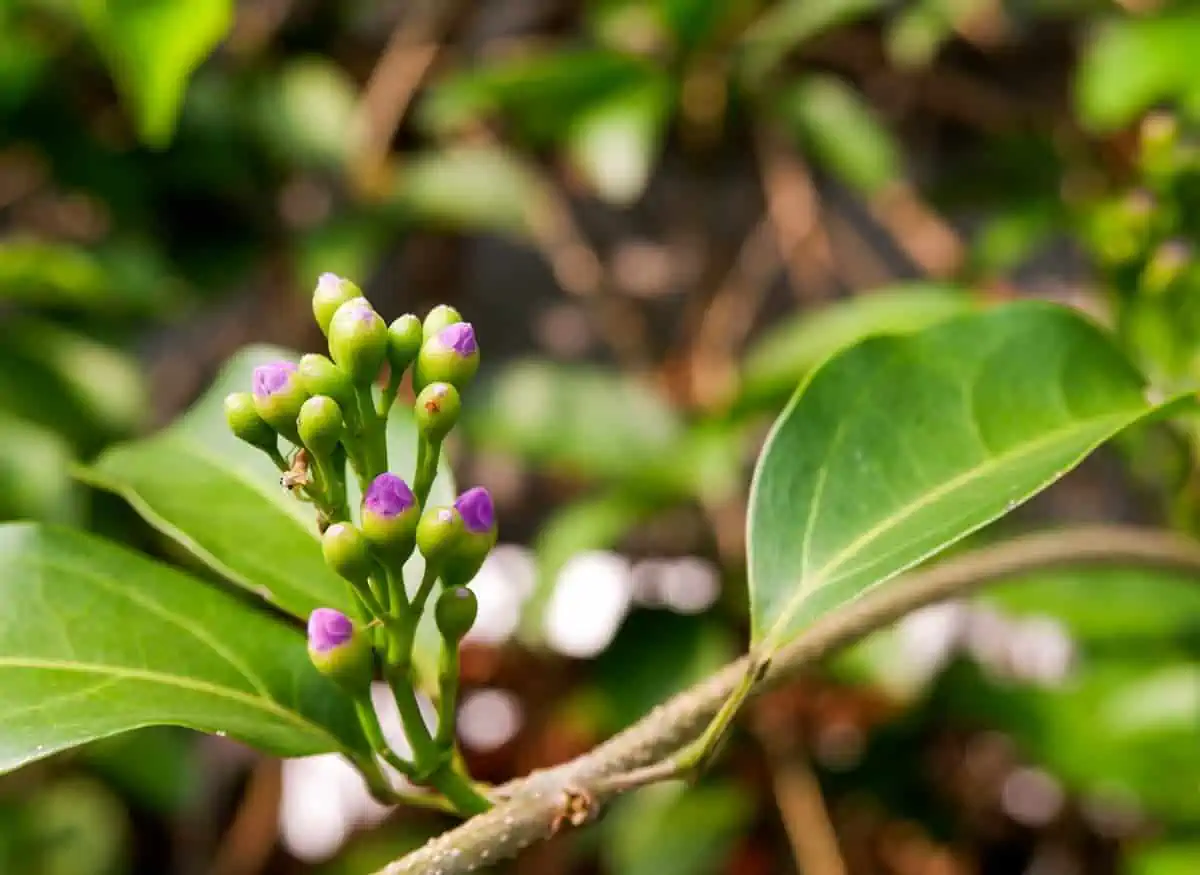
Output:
x=476 y=509
x=272 y=378
x=459 y=337
x=388 y=496
x=328 y=629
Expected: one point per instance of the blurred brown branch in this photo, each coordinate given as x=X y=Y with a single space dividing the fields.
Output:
x=535 y=806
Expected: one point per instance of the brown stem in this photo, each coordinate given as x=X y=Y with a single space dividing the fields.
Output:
x=536 y=806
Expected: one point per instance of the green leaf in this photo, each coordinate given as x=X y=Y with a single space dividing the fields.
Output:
x=152 y=48
x=467 y=187
x=900 y=446
x=35 y=481
x=787 y=352
x=96 y=640
x=583 y=420
x=1165 y=858
x=832 y=120
x=673 y=830
x=1133 y=63
x=119 y=277
x=614 y=143
x=221 y=499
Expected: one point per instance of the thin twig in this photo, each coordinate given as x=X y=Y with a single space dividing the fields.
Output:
x=537 y=805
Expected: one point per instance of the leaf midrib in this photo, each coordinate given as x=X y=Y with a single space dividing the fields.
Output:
x=265 y=705
x=822 y=578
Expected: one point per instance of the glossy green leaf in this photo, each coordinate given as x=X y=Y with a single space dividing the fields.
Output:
x=614 y=144
x=1133 y=63
x=789 y=350
x=899 y=446
x=152 y=48
x=97 y=640
x=832 y=120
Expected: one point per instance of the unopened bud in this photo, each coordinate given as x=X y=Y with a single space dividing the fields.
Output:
x=404 y=341
x=389 y=517
x=278 y=396
x=358 y=341
x=438 y=533
x=450 y=356
x=478 y=537
x=346 y=552
x=455 y=612
x=340 y=650
x=441 y=316
x=332 y=291
x=320 y=376
x=247 y=425
x=320 y=425
x=437 y=408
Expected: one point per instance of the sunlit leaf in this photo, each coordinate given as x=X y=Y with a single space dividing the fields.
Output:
x=96 y=640
x=899 y=446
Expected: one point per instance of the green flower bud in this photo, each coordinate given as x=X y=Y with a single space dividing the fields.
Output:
x=278 y=396
x=404 y=341
x=437 y=410
x=346 y=552
x=358 y=341
x=320 y=376
x=340 y=650
x=332 y=291
x=441 y=316
x=438 y=533
x=455 y=613
x=320 y=425
x=451 y=356
x=479 y=534
x=389 y=517
x=247 y=425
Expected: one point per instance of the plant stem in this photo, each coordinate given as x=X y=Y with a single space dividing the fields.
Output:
x=384 y=407
x=428 y=453
x=369 y=720
x=447 y=695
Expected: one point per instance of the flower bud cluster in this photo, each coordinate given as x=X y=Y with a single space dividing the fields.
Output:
x=328 y=408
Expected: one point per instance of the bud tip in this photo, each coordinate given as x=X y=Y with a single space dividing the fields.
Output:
x=328 y=629
x=388 y=496
x=272 y=378
x=476 y=509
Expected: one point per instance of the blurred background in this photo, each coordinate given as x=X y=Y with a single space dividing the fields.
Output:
x=660 y=215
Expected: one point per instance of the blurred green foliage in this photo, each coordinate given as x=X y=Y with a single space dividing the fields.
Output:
x=162 y=163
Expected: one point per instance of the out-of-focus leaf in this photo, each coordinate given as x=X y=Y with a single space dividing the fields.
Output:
x=309 y=113
x=97 y=640
x=152 y=48
x=1101 y=605
x=76 y=827
x=669 y=829
x=831 y=118
x=472 y=188
x=103 y=383
x=900 y=446
x=583 y=420
x=539 y=95
x=23 y=61
x=35 y=479
x=655 y=655
x=785 y=26
x=614 y=144
x=156 y=766
x=1132 y=63
x=1010 y=236
x=1165 y=858
x=916 y=33
x=58 y=274
x=787 y=352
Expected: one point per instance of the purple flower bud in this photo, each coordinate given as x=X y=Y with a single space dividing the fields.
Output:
x=459 y=337
x=388 y=496
x=328 y=629
x=476 y=509
x=273 y=378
